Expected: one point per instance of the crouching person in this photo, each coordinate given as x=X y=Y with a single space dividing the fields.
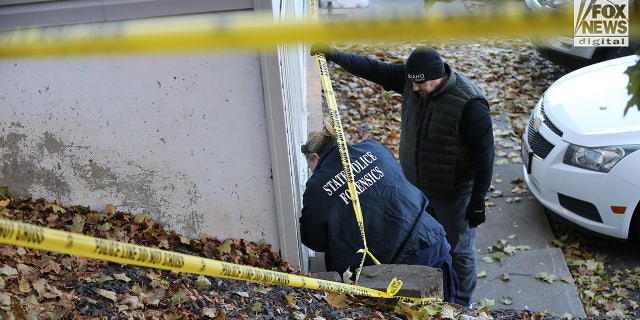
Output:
x=398 y=228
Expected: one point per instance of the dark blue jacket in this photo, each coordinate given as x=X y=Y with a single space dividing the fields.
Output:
x=396 y=223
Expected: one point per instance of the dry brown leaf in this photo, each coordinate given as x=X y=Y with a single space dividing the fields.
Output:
x=24 y=285
x=132 y=301
x=337 y=299
x=107 y=294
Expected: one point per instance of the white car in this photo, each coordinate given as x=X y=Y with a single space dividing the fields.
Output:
x=581 y=155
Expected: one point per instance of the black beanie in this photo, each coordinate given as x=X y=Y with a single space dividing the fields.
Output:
x=423 y=64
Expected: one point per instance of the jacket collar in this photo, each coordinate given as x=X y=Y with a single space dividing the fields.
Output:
x=451 y=81
x=325 y=153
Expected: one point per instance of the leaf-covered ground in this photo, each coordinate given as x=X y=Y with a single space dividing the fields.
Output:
x=606 y=273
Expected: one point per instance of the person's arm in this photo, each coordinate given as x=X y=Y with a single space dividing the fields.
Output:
x=476 y=127
x=314 y=229
x=389 y=76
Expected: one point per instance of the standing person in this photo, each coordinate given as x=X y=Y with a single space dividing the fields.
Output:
x=398 y=228
x=446 y=143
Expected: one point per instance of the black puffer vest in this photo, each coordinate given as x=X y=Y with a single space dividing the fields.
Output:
x=433 y=154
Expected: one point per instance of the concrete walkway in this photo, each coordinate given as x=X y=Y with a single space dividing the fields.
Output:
x=518 y=220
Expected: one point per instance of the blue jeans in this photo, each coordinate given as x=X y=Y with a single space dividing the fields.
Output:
x=462 y=239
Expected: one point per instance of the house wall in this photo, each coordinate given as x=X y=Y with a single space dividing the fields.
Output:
x=204 y=141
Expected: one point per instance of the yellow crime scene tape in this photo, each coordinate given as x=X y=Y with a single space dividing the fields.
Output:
x=36 y=237
x=260 y=31
x=344 y=152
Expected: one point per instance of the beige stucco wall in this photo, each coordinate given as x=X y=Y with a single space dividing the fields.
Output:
x=180 y=136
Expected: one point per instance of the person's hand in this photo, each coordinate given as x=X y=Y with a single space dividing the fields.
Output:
x=475 y=214
x=321 y=47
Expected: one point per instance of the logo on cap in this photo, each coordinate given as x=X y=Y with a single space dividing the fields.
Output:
x=417 y=77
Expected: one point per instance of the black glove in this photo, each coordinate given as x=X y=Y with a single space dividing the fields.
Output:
x=475 y=214
x=321 y=47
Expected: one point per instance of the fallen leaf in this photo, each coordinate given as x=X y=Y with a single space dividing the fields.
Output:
x=40 y=286
x=110 y=210
x=178 y=298
x=487 y=260
x=209 y=312
x=5 y=299
x=132 y=301
x=291 y=301
x=521 y=189
x=336 y=299
x=487 y=302
x=107 y=294
x=77 y=223
x=8 y=270
x=512 y=199
x=222 y=315
x=446 y=312
x=56 y=208
x=346 y=276
x=139 y=218
x=543 y=276
x=203 y=282
x=263 y=289
x=257 y=307
x=24 y=285
x=566 y=279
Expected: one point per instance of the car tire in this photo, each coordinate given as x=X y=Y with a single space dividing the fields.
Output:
x=634 y=228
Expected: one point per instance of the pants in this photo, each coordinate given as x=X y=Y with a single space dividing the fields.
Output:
x=438 y=256
x=451 y=214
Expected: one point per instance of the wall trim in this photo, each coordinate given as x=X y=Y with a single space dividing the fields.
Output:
x=20 y=14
